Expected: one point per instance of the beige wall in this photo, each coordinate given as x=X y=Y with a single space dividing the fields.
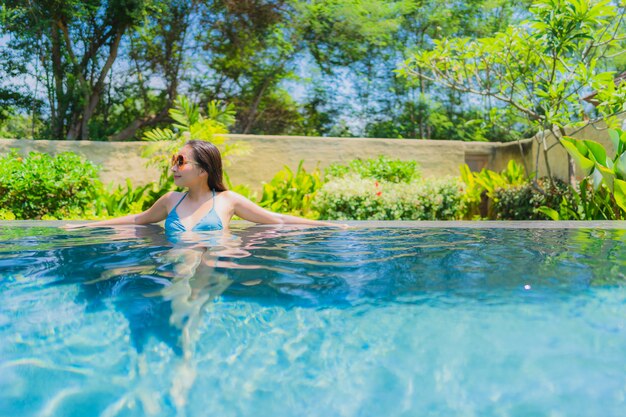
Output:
x=121 y=160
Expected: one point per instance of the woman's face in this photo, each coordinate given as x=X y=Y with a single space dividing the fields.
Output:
x=185 y=169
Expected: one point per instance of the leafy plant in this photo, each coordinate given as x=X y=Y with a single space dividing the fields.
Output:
x=583 y=203
x=6 y=215
x=126 y=199
x=189 y=123
x=292 y=193
x=603 y=169
x=481 y=188
x=381 y=169
x=523 y=202
x=44 y=187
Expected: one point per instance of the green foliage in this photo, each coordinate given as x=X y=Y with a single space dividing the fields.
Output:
x=189 y=123
x=44 y=187
x=482 y=187
x=584 y=203
x=537 y=68
x=602 y=169
x=131 y=58
x=292 y=193
x=429 y=119
x=6 y=215
x=127 y=199
x=523 y=202
x=381 y=169
x=354 y=198
x=49 y=40
x=20 y=126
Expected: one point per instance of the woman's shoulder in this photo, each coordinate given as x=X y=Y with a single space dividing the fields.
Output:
x=230 y=195
x=231 y=198
x=171 y=198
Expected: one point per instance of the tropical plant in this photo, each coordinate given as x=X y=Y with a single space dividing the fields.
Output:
x=292 y=193
x=606 y=174
x=481 y=187
x=126 y=199
x=6 y=215
x=583 y=203
x=189 y=123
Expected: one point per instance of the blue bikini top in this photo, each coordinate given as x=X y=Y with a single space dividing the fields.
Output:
x=210 y=221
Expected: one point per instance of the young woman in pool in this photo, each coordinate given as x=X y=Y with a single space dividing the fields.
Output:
x=207 y=205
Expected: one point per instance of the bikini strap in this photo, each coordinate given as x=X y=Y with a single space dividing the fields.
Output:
x=179 y=201
x=213 y=198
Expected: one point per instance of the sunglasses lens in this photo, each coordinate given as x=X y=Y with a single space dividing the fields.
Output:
x=178 y=160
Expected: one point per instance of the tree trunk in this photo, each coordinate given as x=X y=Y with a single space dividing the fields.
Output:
x=422 y=126
x=58 y=110
x=255 y=105
x=571 y=165
x=129 y=131
x=80 y=129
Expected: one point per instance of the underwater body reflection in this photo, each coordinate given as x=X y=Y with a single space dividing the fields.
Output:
x=371 y=301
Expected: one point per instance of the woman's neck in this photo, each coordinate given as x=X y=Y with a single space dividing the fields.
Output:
x=199 y=192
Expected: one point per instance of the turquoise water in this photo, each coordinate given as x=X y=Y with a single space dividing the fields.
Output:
x=313 y=322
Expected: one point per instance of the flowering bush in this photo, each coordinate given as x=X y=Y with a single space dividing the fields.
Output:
x=356 y=198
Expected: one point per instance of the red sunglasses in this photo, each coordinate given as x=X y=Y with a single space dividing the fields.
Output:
x=179 y=160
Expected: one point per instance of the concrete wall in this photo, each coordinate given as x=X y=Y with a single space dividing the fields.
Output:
x=121 y=160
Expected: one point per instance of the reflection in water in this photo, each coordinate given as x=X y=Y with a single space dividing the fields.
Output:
x=178 y=284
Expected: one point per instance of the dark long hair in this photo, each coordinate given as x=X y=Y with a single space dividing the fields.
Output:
x=209 y=159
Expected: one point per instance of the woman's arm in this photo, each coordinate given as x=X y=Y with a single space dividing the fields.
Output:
x=247 y=210
x=154 y=214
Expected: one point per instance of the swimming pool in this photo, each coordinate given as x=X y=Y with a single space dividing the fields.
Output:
x=386 y=319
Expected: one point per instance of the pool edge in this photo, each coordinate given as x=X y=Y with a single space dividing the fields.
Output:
x=450 y=224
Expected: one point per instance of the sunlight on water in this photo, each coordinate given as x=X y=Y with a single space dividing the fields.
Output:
x=312 y=321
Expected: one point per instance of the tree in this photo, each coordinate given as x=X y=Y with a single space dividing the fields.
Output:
x=540 y=67
x=157 y=53
x=77 y=42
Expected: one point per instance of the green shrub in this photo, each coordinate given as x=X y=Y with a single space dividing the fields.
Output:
x=481 y=187
x=355 y=198
x=292 y=193
x=381 y=169
x=127 y=199
x=522 y=202
x=6 y=215
x=42 y=187
x=586 y=203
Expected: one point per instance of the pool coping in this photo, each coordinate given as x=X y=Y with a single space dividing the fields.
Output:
x=450 y=224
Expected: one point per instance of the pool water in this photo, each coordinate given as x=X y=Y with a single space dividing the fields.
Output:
x=370 y=321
